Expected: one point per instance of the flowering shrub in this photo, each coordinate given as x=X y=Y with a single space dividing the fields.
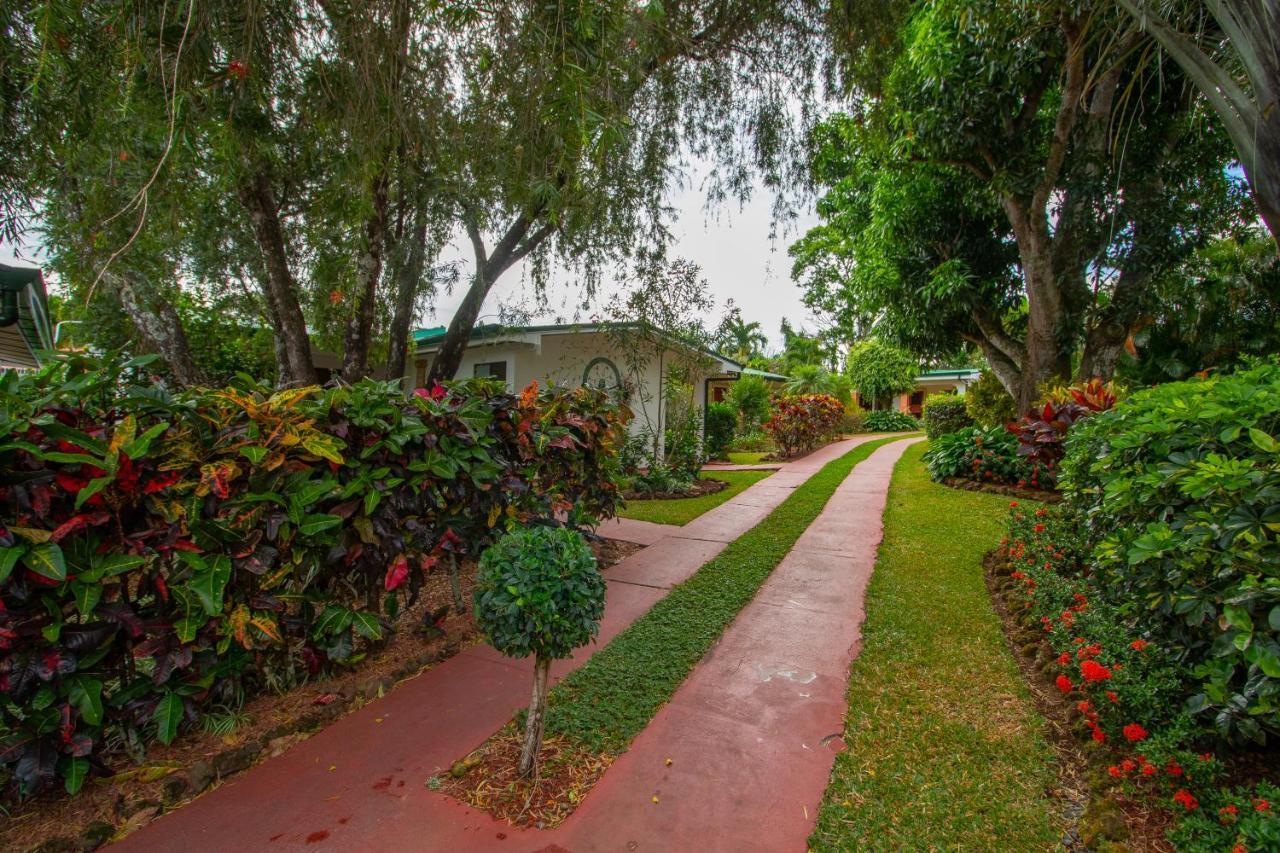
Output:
x=160 y=554
x=885 y=421
x=1178 y=493
x=1042 y=436
x=988 y=455
x=800 y=422
x=944 y=413
x=1239 y=820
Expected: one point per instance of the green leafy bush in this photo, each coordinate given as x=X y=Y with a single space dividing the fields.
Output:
x=1245 y=818
x=749 y=396
x=944 y=413
x=886 y=421
x=800 y=422
x=539 y=592
x=1178 y=492
x=722 y=420
x=987 y=455
x=988 y=403
x=659 y=479
x=164 y=554
x=753 y=442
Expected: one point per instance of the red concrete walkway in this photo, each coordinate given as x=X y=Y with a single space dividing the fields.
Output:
x=359 y=784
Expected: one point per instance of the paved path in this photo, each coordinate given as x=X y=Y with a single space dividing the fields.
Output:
x=358 y=785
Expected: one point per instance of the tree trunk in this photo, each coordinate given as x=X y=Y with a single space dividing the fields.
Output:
x=455 y=584
x=259 y=200
x=515 y=244
x=408 y=278
x=355 y=356
x=160 y=328
x=536 y=719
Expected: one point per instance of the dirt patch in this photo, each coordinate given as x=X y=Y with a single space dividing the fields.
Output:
x=487 y=779
x=700 y=487
x=1094 y=813
x=1019 y=492
x=108 y=808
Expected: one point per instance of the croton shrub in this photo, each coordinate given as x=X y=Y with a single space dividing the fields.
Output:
x=801 y=421
x=160 y=554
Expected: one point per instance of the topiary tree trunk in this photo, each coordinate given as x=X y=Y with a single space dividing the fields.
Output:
x=535 y=722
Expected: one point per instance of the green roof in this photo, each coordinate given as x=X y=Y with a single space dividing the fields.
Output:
x=945 y=372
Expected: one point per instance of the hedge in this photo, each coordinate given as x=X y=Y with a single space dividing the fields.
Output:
x=160 y=554
x=944 y=413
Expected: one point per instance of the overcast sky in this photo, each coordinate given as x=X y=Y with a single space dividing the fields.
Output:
x=731 y=245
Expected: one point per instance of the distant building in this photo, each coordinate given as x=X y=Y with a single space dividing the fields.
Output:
x=587 y=354
x=25 y=328
x=941 y=381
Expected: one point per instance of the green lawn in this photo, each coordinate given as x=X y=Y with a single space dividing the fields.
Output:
x=612 y=697
x=944 y=745
x=681 y=511
x=746 y=457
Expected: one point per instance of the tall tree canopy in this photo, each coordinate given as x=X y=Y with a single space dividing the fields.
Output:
x=315 y=155
x=1025 y=213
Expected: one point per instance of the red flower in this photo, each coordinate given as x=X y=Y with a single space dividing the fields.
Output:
x=1013 y=504
x=237 y=69
x=1261 y=806
x=1139 y=645
x=1129 y=765
x=1018 y=575
x=1084 y=707
x=1188 y=802
x=1115 y=771
x=1228 y=810
x=1064 y=659
x=1112 y=697
x=1206 y=756
x=1173 y=769
x=1149 y=770
x=1098 y=735
x=1134 y=732
x=1094 y=671
x=1064 y=684
x=1039 y=528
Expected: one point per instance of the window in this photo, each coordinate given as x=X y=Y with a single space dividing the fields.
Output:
x=491 y=370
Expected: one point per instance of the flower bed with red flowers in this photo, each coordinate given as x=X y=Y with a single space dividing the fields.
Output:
x=800 y=422
x=161 y=555
x=987 y=455
x=1128 y=694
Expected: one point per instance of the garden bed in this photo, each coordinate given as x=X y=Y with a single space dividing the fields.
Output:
x=267 y=725
x=701 y=486
x=1007 y=489
x=1092 y=816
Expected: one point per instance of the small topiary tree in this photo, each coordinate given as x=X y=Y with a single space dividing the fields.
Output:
x=944 y=413
x=538 y=592
x=722 y=420
x=750 y=397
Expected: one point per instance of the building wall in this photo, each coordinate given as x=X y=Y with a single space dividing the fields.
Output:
x=13 y=349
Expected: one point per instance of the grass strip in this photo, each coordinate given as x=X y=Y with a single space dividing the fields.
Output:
x=944 y=744
x=608 y=701
x=681 y=511
x=747 y=457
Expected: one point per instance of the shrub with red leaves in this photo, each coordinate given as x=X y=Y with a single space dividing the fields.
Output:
x=800 y=422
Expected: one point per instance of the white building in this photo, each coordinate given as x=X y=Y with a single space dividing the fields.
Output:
x=615 y=357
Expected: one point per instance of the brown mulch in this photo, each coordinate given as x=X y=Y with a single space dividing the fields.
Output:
x=487 y=779
x=1020 y=492
x=267 y=725
x=1083 y=789
x=701 y=486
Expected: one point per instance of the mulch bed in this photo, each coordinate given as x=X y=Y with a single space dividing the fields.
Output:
x=1006 y=489
x=107 y=809
x=701 y=486
x=488 y=780
x=1095 y=814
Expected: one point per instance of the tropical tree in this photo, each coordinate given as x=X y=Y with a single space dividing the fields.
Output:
x=879 y=370
x=1098 y=177
x=740 y=339
x=810 y=379
x=1238 y=38
x=569 y=117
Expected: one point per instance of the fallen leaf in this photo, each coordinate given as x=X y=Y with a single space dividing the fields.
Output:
x=324 y=698
x=655 y=798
